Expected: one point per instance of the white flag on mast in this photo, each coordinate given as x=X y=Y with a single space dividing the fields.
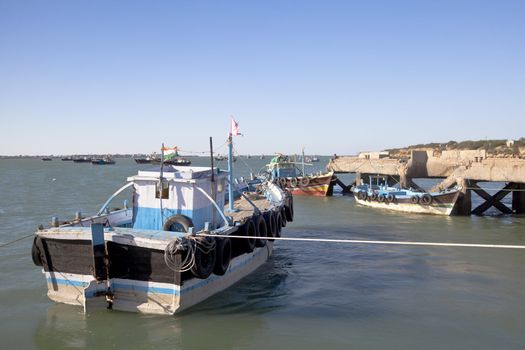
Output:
x=234 y=130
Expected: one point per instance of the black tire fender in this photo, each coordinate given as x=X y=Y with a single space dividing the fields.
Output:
x=177 y=223
x=248 y=229
x=204 y=262
x=223 y=249
x=289 y=212
x=283 y=216
x=278 y=223
x=262 y=231
x=305 y=181
x=270 y=223
x=426 y=199
x=35 y=252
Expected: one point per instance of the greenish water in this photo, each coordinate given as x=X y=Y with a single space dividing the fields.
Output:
x=307 y=296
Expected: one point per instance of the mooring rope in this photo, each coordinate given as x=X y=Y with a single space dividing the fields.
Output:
x=359 y=241
x=16 y=240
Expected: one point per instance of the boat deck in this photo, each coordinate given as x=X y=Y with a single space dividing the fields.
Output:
x=244 y=210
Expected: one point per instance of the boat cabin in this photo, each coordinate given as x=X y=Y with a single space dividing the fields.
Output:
x=194 y=192
x=280 y=166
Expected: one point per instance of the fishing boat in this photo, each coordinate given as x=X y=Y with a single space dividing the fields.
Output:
x=82 y=160
x=284 y=170
x=167 y=252
x=67 y=159
x=103 y=161
x=170 y=156
x=47 y=159
x=378 y=194
x=142 y=160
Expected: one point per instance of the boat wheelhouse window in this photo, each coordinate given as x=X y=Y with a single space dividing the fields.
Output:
x=162 y=188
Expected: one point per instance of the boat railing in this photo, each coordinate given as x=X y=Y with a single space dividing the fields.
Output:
x=110 y=199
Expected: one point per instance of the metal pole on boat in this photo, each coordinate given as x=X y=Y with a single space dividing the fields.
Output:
x=303 y=161
x=211 y=158
x=230 y=173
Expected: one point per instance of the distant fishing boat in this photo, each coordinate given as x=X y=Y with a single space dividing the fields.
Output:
x=158 y=256
x=377 y=194
x=47 y=159
x=142 y=160
x=171 y=157
x=262 y=156
x=285 y=171
x=82 y=160
x=103 y=161
x=67 y=159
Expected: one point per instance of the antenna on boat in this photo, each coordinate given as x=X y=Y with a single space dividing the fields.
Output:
x=211 y=158
x=234 y=131
x=303 y=161
x=161 y=161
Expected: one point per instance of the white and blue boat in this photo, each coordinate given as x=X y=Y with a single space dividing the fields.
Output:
x=378 y=194
x=167 y=252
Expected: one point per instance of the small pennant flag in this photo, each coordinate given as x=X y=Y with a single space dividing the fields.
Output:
x=234 y=128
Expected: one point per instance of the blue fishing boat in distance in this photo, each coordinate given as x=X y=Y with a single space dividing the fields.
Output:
x=378 y=194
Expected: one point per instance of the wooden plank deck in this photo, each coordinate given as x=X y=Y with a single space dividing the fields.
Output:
x=244 y=210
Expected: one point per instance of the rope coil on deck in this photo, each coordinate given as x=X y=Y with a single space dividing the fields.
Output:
x=189 y=245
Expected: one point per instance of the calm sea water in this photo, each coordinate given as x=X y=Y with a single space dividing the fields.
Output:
x=307 y=296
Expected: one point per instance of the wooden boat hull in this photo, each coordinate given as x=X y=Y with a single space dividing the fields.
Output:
x=442 y=204
x=319 y=186
x=146 y=286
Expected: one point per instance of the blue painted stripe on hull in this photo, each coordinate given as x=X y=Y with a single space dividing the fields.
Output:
x=145 y=289
x=67 y=282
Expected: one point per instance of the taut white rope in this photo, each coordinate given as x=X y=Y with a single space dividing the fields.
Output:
x=359 y=241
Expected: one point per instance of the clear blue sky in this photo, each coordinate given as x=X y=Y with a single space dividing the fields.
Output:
x=333 y=76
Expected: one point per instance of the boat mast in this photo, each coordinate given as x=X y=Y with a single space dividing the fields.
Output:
x=303 y=161
x=230 y=173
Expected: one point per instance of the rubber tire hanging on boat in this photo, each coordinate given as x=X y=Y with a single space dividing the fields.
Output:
x=293 y=182
x=270 y=223
x=262 y=231
x=305 y=181
x=248 y=229
x=223 y=249
x=414 y=199
x=362 y=195
x=283 y=216
x=283 y=182
x=278 y=223
x=381 y=198
x=373 y=196
x=390 y=198
x=35 y=252
x=182 y=222
x=426 y=199
x=204 y=263
x=289 y=209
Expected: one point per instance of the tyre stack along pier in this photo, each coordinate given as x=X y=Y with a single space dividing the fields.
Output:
x=465 y=168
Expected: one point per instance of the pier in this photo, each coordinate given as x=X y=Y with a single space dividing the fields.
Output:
x=464 y=168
